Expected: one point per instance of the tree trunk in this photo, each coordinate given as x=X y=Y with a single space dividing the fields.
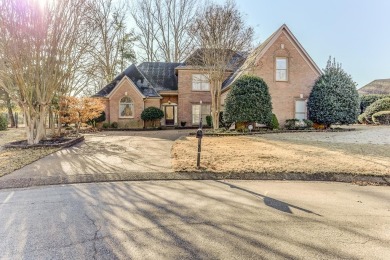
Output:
x=40 y=125
x=35 y=124
x=215 y=103
x=78 y=124
x=52 y=121
x=30 y=123
x=10 y=112
x=59 y=124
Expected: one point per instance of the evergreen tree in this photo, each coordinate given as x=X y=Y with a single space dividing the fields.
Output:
x=248 y=101
x=334 y=98
x=152 y=114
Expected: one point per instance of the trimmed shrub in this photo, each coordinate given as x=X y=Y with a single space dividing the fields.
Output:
x=106 y=125
x=274 y=122
x=209 y=121
x=222 y=122
x=152 y=114
x=379 y=105
x=381 y=118
x=334 y=98
x=291 y=124
x=362 y=118
x=3 y=123
x=309 y=123
x=114 y=124
x=367 y=100
x=248 y=101
x=296 y=124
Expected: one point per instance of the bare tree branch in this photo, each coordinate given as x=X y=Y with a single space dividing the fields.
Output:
x=113 y=43
x=39 y=52
x=223 y=40
x=163 y=28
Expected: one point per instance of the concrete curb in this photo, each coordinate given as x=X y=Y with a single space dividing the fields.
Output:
x=152 y=176
x=274 y=132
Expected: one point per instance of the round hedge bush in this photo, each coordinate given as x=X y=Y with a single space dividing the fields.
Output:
x=381 y=118
x=378 y=106
x=3 y=123
x=334 y=98
x=114 y=125
x=248 y=101
x=151 y=114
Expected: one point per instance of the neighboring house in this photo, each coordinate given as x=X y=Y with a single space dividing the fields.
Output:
x=379 y=86
x=178 y=88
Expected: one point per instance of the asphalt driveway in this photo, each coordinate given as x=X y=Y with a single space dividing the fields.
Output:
x=106 y=153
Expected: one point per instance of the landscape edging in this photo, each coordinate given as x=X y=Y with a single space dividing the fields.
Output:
x=69 y=143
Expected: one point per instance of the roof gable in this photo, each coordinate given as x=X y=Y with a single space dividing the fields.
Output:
x=120 y=83
x=259 y=52
x=148 y=77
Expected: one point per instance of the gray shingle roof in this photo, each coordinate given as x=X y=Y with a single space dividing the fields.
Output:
x=149 y=77
x=379 y=86
x=160 y=74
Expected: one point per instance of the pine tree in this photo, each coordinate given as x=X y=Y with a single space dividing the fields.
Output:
x=334 y=98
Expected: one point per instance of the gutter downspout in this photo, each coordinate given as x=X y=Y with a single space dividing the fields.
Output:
x=143 y=108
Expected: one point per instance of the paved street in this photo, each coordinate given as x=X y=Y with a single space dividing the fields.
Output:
x=196 y=219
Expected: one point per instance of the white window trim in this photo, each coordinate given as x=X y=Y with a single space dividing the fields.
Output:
x=201 y=82
x=276 y=69
x=192 y=112
x=131 y=106
x=302 y=113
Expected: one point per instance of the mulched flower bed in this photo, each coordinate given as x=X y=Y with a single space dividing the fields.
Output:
x=48 y=143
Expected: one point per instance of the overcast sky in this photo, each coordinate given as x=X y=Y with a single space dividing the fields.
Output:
x=355 y=32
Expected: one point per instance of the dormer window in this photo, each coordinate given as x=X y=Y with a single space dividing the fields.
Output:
x=281 y=69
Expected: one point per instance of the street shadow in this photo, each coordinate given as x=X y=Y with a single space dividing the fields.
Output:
x=99 y=156
x=164 y=220
x=271 y=202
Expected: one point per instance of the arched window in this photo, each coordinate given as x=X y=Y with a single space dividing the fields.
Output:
x=126 y=108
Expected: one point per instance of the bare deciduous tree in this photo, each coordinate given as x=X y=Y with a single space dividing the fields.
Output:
x=112 y=47
x=163 y=28
x=143 y=15
x=38 y=43
x=223 y=39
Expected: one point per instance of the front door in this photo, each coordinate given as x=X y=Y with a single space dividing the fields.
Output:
x=169 y=115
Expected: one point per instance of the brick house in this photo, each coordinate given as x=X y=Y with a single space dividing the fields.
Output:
x=177 y=88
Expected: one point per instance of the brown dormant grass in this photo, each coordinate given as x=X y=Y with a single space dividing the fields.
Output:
x=269 y=155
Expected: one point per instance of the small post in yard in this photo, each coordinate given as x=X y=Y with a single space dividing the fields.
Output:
x=199 y=135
